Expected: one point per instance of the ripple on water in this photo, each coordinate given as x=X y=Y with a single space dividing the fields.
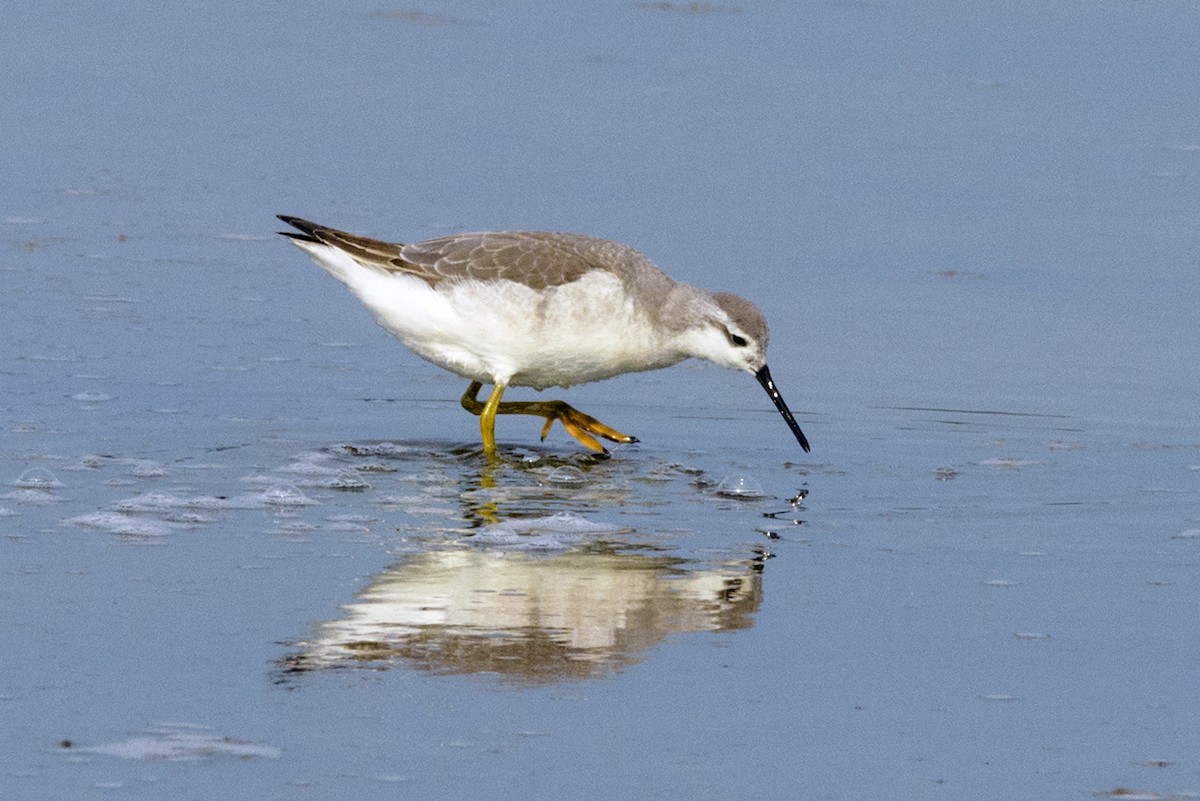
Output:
x=91 y=397
x=550 y=532
x=1031 y=635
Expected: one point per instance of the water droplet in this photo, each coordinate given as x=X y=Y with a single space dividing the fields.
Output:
x=741 y=487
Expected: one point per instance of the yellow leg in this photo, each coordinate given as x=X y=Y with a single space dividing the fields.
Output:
x=577 y=424
x=487 y=419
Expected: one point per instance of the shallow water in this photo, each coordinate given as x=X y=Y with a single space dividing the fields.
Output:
x=251 y=547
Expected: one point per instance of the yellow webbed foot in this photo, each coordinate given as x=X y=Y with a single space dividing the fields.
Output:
x=582 y=427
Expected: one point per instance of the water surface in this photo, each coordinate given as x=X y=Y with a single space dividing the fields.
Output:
x=250 y=545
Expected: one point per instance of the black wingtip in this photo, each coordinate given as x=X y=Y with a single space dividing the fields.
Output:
x=308 y=229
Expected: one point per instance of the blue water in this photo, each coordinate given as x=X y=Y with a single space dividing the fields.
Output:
x=973 y=231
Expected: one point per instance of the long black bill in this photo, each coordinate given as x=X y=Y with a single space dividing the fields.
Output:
x=764 y=378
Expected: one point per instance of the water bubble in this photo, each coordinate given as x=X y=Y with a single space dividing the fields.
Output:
x=37 y=478
x=285 y=495
x=566 y=474
x=743 y=488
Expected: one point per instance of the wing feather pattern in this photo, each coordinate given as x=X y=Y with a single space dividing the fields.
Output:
x=537 y=259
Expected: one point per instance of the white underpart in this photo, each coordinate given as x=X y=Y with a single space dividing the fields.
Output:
x=504 y=332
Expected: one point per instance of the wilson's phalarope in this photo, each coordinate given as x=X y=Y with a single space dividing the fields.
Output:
x=535 y=309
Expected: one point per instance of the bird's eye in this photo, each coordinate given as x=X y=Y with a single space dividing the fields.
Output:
x=736 y=341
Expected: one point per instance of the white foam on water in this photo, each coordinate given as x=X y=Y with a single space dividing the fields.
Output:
x=147 y=468
x=118 y=523
x=182 y=742
x=33 y=496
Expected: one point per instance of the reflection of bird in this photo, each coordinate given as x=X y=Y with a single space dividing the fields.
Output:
x=529 y=618
x=534 y=309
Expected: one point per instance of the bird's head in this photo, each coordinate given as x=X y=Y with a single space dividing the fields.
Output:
x=734 y=335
